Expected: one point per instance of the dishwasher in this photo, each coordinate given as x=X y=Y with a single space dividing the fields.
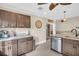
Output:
x=56 y=44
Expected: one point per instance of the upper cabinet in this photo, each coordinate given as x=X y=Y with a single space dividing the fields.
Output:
x=20 y=20
x=13 y=20
x=23 y=21
x=7 y=19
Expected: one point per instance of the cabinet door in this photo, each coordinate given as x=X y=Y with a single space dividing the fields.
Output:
x=77 y=51
x=2 y=51
x=30 y=45
x=4 y=21
x=8 y=19
x=68 y=47
x=11 y=17
x=0 y=20
x=20 y=21
x=22 y=46
x=11 y=48
x=7 y=52
x=27 y=21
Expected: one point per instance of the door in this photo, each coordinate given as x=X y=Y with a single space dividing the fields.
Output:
x=68 y=47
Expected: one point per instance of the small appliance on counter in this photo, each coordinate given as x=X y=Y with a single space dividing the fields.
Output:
x=4 y=34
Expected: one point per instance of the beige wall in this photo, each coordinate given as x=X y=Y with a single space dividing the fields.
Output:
x=68 y=25
x=38 y=34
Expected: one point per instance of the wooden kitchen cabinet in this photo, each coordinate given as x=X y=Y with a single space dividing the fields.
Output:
x=20 y=21
x=77 y=48
x=22 y=46
x=68 y=47
x=23 y=21
x=28 y=21
x=14 y=20
x=16 y=47
x=25 y=45
x=7 y=19
x=30 y=44
x=9 y=48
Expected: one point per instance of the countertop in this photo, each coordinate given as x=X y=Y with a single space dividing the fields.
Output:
x=67 y=36
x=15 y=37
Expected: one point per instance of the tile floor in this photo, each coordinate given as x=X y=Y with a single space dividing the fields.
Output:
x=43 y=50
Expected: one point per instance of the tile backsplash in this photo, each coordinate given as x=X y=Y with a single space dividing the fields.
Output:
x=18 y=31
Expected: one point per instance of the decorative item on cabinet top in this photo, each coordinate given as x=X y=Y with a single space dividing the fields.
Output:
x=38 y=24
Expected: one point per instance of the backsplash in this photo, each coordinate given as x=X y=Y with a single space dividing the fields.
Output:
x=18 y=31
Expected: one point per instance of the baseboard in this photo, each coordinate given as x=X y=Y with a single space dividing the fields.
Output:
x=41 y=42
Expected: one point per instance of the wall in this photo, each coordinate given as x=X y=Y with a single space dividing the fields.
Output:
x=68 y=25
x=38 y=34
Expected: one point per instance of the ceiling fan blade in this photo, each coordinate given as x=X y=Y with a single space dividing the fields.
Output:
x=65 y=3
x=41 y=3
x=52 y=6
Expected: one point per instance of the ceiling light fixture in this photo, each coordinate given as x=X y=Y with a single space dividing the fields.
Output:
x=64 y=19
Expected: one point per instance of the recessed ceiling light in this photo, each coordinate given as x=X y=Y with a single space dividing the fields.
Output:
x=40 y=8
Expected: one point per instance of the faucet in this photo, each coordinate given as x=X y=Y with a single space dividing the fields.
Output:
x=76 y=34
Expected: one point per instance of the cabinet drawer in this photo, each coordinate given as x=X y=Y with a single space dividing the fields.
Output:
x=22 y=40
x=30 y=38
x=11 y=42
x=69 y=41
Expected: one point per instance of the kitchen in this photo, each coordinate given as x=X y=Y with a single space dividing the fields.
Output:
x=22 y=30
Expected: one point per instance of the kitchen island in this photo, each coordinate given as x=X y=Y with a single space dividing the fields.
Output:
x=16 y=45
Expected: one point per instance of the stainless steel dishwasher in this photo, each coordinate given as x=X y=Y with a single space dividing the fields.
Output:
x=56 y=44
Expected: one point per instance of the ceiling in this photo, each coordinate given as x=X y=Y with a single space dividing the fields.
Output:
x=43 y=10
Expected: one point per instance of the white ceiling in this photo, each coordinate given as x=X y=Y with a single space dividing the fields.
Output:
x=32 y=9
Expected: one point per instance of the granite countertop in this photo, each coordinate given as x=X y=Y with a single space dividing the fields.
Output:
x=15 y=37
x=67 y=36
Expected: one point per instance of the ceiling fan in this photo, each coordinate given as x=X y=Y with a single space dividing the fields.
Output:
x=53 y=5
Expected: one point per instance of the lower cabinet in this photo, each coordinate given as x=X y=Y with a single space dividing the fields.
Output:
x=29 y=44
x=9 y=48
x=16 y=47
x=70 y=47
x=77 y=48
x=22 y=46
x=25 y=45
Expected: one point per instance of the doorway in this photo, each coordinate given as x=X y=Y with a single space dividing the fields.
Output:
x=49 y=31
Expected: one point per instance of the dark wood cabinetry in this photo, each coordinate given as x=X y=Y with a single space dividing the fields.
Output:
x=9 y=48
x=25 y=45
x=23 y=21
x=70 y=47
x=20 y=21
x=13 y=20
x=16 y=47
x=7 y=19
x=22 y=46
